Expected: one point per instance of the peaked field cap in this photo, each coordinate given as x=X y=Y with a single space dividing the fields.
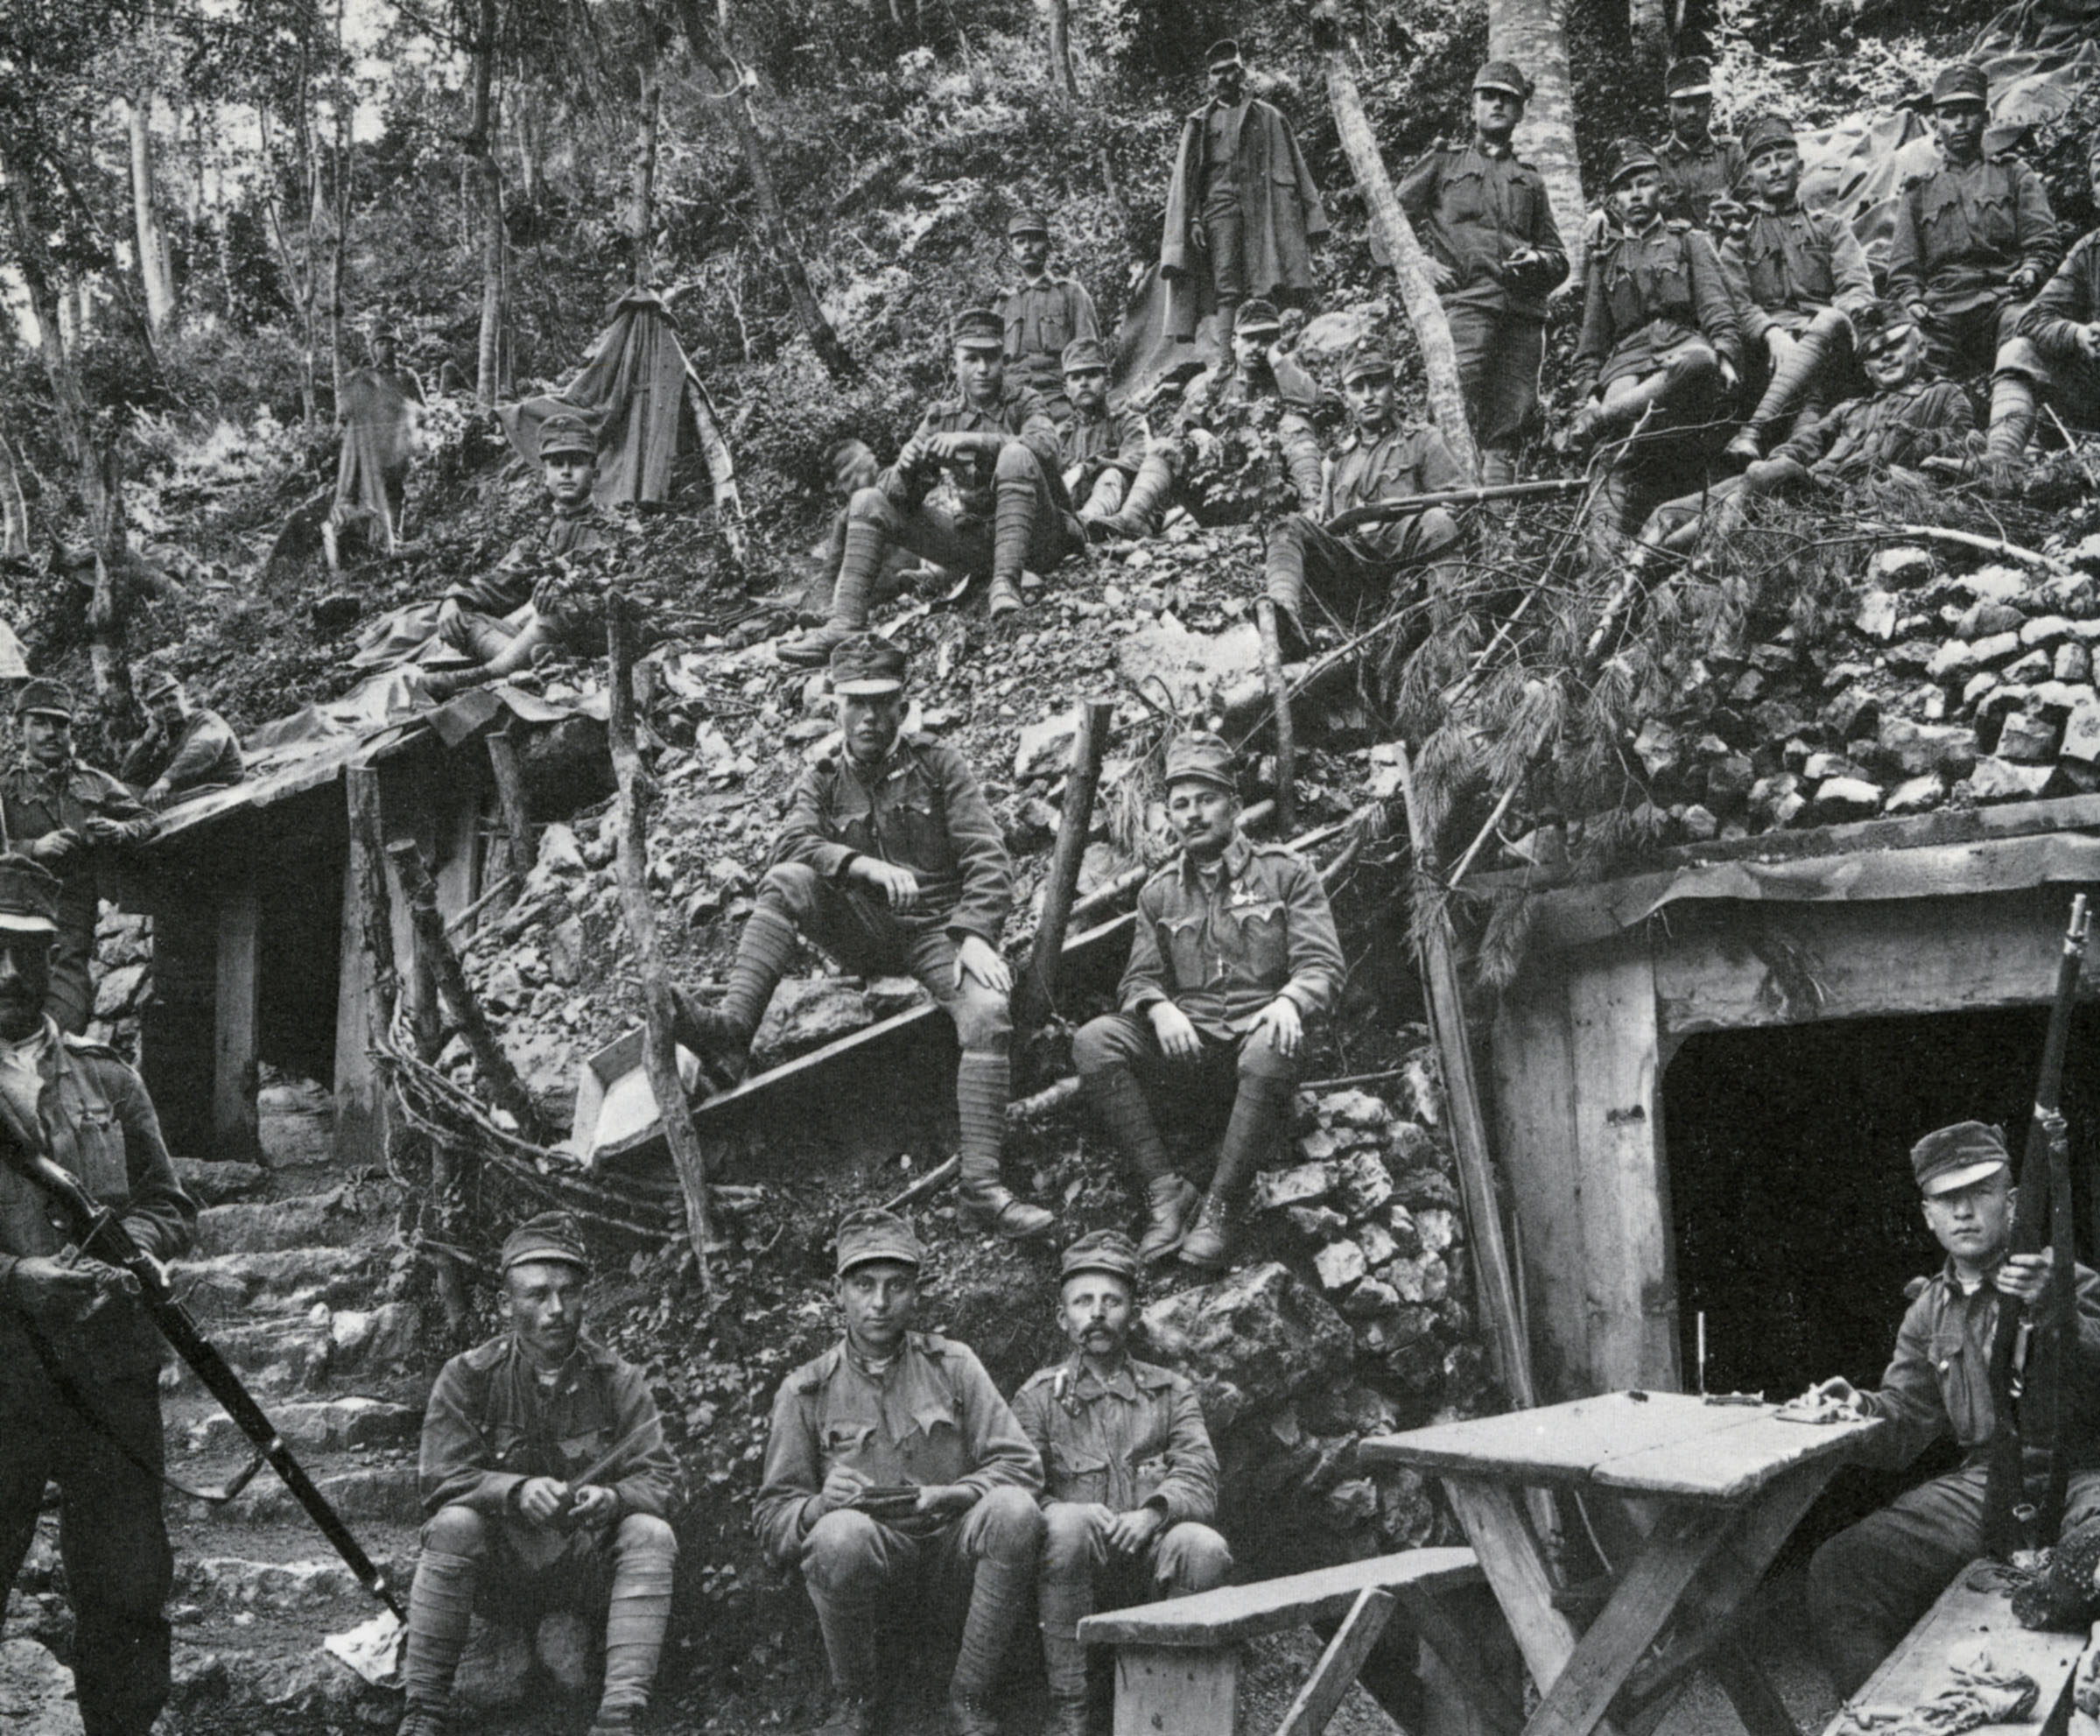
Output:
x=1026 y=221
x=1366 y=360
x=1083 y=354
x=29 y=897
x=1257 y=315
x=1504 y=75
x=978 y=325
x=1688 y=77
x=1954 y=1157
x=1765 y=132
x=872 y=1235
x=43 y=694
x=552 y=1235
x=566 y=431
x=1962 y=82
x=1197 y=756
x=867 y=665
x=1109 y=1251
x=1223 y=53
x=157 y=681
x=1879 y=324
x=1629 y=156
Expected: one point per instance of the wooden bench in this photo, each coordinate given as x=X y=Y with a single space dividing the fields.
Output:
x=1177 y=1661
x=1918 y=1670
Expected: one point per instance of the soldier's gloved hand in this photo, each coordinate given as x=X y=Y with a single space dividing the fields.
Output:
x=58 y=1292
x=899 y=885
x=2027 y=280
x=592 y=1502
x=1177 y=1037
x=1729 y=376
x=842 y=1486
x=977 y=957
x=1284 y=1025
x=543 y=1499
x=1128 y=1533
x=54 y=848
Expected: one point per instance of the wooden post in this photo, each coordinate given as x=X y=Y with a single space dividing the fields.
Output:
x=497 y=1073
x=1279 y=696
x=234 y=1021
x=519 y=848
x=1035 y=994
x=659 y=1049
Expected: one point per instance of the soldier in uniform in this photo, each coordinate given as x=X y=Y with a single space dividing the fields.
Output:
x=890 y=861
x=1044 y=315
x=1495 y=257
x=1798 y=277
x=1129 y=1477
x=1974 y=239
x=1103 y=443
x=892 y=1461
x=2063 y=321
x=998 y=442
x=1869 y=1584
x=64 y=815
x=1235 y=949
x=1382 y=460
x=79 y=1360
x=188 y=749
x=532 y=597
x=1700 y=171
x=1252 y=409
x=550 y=1487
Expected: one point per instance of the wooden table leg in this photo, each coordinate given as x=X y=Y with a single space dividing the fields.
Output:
x=1176 y=1691
x=1463 y=1664
x=1750 y=1692
x=1338 y=1664
x=1501 y=1531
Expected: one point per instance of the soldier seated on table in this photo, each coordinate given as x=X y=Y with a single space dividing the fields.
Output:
x=1871 y=1583
x=512 y=1428
x=1130 y=1479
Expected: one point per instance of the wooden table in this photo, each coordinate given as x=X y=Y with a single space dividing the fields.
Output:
x=1688 y=1501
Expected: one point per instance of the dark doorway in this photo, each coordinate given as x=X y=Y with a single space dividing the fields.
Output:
x=1796 y=1222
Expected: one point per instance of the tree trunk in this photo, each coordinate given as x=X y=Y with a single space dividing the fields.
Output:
x=339 y=240
x=14 y=505
x=1063 y=81
x=1533 y=33
x=154 y=266
x=524 y=126
x=714 y=55
x=1410 y=265
x=480 y=150
x=642 y=206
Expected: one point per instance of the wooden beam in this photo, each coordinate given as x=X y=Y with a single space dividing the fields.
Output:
x=1500 y=1532
x=520 y=851
x=235 y=1031
x=1035 y=993
x=1465 y=1669
x=1319 y=1698
x=1176 y=1692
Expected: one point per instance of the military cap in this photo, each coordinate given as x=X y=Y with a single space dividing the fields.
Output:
x=552 y=1235
x=157 y=681
x=1765 y=132
x=29 y=897
x=1953 y=1157
x=1365 y=358
x=1083 y=353
x=1879 y=324
x=1629 y=155
x=566 y=431
x=1504 y=75
x=1026 y=222
x=1257 y=315
x=1688 y=77
x=1197 y=756
x=869 y=666
x=1223 y=53
x=1961 y=82
x=1109 y=1251
x=873 y=1234
x=978 y=325
x=55 y=699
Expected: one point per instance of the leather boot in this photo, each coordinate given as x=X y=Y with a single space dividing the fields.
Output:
x=721 y=1036
x=970 y=1715
x=440 y=1609
x=1170 y=1205
x=850 y=1715
x=421 y=1721
x=983 y=1085
x=1258 y=1112
x=1139 y=516
x=865 y=543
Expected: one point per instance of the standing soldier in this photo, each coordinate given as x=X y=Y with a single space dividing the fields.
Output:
x=1103 y=444
x=892 y=1462
x=1235 y=949
x=1129 y=1477
x=998 y=441
x=549 y=1486
x=79 y=1360
x=2063 y=321
x=1699 y=170
x=380 y=409
x=890 y=861
x=1974 y=238
x=188 y=749
x=1495 y=257
x=1382 y=460
x=1044 y=315
x=1242 y=209
x=1798 y=278
x=64 y=815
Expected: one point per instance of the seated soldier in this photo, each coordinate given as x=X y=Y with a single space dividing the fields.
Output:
x=2063 y=321
x=1908 y=420
x=1235 y=948
x=1974 y=238
x=892 y=1463
x=1701 y=171
x=1044 y=315
x=549 y=1485
x=891 y=862
x=532 y=599
x=1380 y=461
x=187 y=749
x=1103 y=445
x=998 y=441
x=1129 y=1477
x=1253 y=411
x=1798 y=277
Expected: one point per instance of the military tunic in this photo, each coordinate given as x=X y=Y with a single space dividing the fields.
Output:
x=204 y=754
x=1787 y=266
x=1961 y=235
x=1135 y=1439
x=1648 y=295
x=1101 y=454
x=2070 y=299
x=1694 y=176
x=1262 y=417
x=510 y=585
x=1863 y=437
x=1041 y=318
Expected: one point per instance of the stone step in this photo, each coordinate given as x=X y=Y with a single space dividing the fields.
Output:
x=385 y=1492
x=282 y=1280
x=286 y=1354
x=315 y=1425
x=271 y=1225
x=236 y=1582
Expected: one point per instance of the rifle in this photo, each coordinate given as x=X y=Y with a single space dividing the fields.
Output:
x=2010 y=1522
x=102 y=1234
x=1377 y=512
